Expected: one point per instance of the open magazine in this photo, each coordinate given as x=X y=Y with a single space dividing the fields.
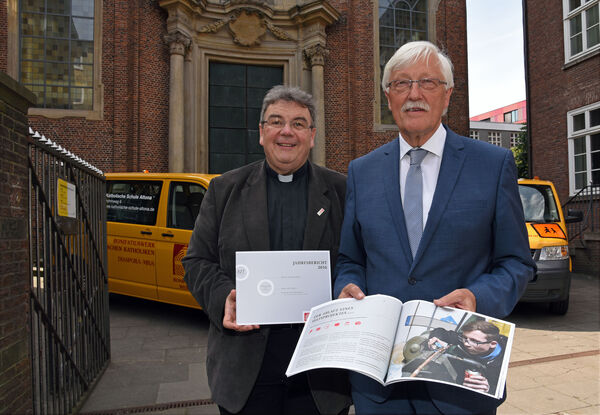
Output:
x=389 y=341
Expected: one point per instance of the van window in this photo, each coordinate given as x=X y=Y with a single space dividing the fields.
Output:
x=538 y=203
x=184 y=204
x=132 y=201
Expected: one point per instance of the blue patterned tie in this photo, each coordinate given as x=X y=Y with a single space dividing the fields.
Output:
x=413 y=198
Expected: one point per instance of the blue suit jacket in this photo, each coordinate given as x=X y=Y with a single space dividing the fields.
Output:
x=475 y=238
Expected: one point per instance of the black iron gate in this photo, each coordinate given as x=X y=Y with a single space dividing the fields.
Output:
x=70 y=344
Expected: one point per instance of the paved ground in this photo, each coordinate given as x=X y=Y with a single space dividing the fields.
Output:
x=158 y=355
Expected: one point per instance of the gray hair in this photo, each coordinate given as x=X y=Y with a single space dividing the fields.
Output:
x=412 y=52
x=289 y=94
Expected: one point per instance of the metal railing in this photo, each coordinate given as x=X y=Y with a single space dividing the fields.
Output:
x=70 y=344
x=586 y=200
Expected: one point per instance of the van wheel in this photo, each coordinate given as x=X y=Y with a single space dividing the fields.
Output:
x=559 y=307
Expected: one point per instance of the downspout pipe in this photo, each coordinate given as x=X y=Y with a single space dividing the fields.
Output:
x=527 y=90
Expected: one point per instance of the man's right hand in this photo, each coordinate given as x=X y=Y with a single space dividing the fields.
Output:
x=229 y=319
x=352 y=291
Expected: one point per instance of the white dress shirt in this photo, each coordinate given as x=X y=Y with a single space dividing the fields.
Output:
x=430 y=166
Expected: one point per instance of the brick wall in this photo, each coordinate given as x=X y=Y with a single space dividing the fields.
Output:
x=451 y=25
x=586 y=254
x=555 y=89
x=3 y=36
x=15 y=362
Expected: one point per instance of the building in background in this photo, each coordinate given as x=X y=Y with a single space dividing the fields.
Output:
x=177 y=85
x=514 y=113
x=501 y=126
x=500 y=134
x=562 y=44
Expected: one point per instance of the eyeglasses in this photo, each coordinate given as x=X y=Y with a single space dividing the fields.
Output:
x=464 y=339
x=404 y=85
x=277 y=123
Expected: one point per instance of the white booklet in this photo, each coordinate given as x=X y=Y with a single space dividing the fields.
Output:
x=280 y=287
x=389 y=341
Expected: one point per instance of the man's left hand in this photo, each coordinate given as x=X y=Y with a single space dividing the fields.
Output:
x=461 y=298
x=229 y=315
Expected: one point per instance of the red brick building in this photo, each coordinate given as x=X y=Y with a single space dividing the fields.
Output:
x=514 y=113
x=563 y=73
x=154 y=84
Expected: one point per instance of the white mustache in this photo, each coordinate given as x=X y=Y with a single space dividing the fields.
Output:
x=415 y=104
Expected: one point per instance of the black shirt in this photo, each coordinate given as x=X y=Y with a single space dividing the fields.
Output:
x=287 y=200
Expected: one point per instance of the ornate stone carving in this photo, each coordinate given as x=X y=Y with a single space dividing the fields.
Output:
x=261 y=3
x=247 y=28
x=277 y=32
x=215 y=26
x=178 y=42
x=316 y=55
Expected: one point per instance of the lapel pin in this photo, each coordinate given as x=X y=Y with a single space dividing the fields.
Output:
x=320 y=212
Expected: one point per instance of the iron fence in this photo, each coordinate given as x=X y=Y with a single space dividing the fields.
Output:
x=70 y=344
x=587 y=201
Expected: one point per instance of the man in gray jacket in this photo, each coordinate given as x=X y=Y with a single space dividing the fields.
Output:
x=282 y=203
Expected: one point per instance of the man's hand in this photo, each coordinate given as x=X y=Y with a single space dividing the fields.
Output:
x=434 y=343
x=477 y=382
x=352 y=291
x=230 y=316
x=461 y=298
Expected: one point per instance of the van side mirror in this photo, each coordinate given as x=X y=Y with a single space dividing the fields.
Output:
x=574 y=216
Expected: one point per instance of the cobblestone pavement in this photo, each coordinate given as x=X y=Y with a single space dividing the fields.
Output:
x=159 y=352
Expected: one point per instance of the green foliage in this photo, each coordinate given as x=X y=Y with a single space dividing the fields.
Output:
x=521 y=153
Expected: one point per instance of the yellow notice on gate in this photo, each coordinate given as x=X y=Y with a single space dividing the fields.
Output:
x=66 y=199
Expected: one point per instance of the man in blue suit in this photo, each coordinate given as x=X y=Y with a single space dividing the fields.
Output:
x=432 y=216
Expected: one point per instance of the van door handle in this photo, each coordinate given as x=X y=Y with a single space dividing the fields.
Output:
x=146 y=232
x=170 y=235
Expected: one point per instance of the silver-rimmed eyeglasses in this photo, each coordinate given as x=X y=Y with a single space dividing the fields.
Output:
x=297 y=124
x=404 y=85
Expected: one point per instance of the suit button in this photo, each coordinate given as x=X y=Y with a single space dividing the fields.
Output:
x=412 y=281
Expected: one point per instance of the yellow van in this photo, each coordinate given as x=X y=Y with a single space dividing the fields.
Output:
x=549 y=244
x=150 y=217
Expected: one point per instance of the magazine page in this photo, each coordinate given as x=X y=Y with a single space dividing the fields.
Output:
x=349 y=334
x=451 y=346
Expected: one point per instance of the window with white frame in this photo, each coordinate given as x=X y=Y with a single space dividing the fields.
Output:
x=495 y=138
x=584 y=146
x=474 y=134
x=581 y=27
x=514 y=139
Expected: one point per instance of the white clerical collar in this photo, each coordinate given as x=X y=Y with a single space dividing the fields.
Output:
x=287 y=178
x=434 y=145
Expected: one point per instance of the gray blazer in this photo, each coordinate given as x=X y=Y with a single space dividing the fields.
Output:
x=233 y=217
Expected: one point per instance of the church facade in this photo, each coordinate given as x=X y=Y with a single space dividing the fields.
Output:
x=177 y=85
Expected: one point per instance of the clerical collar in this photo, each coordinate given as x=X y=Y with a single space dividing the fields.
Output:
x=288 y=177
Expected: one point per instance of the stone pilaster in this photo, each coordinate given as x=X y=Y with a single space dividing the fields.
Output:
x=315 y=56
x=179 y=44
